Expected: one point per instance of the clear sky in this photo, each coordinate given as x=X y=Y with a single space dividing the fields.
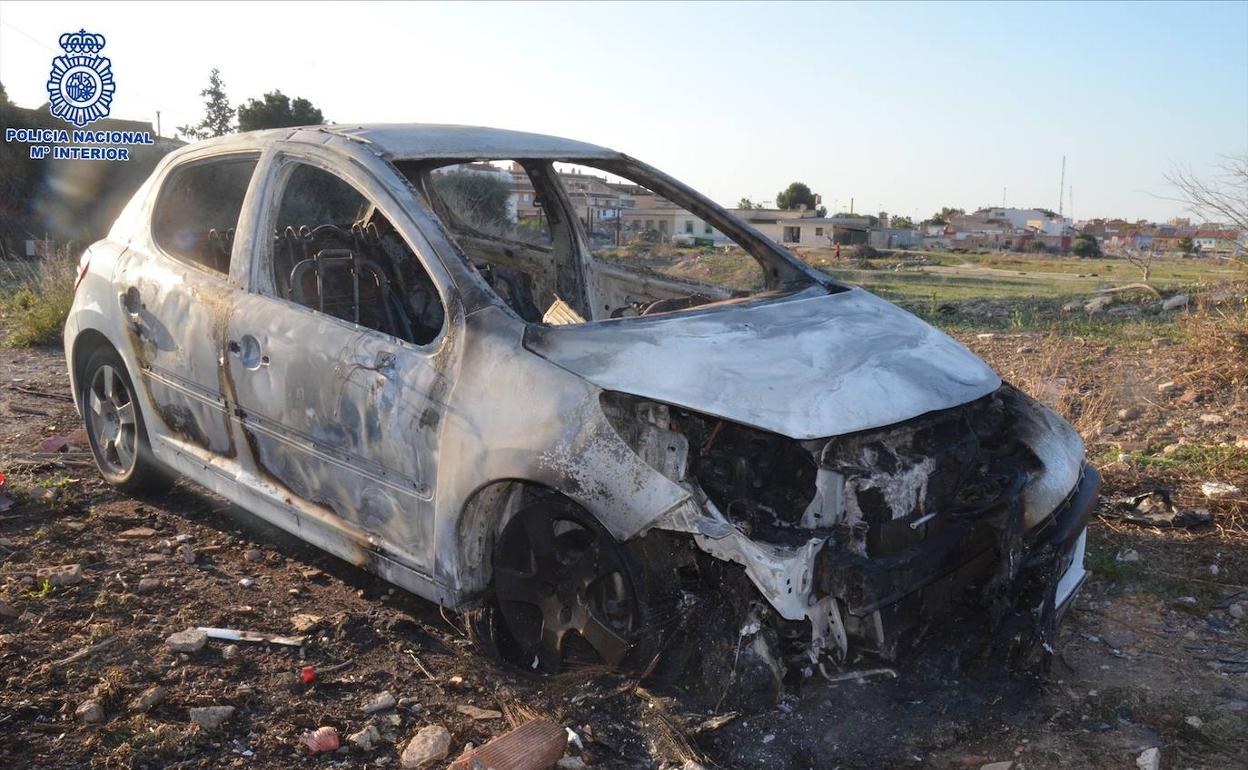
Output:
x=904 y=107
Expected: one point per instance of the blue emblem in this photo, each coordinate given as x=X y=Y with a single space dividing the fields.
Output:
x=80 y=87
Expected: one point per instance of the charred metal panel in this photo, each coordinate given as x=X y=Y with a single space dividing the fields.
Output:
x=808 y=366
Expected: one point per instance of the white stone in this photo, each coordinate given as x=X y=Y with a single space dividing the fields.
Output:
x=1150 y=759
x=190 y=640
x=428 y=746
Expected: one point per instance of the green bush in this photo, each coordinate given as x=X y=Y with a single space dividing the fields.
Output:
x=35 y=299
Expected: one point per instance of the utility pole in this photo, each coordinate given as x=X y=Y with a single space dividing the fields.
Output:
x=1061 y=189
x=1002 y=197
x=157 y=122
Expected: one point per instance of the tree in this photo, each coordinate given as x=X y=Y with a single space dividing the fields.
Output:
x=901 y=223
x=1085 y=246
x=796 y=196
x=1142 y=259
x=218 y=117
x=1186 y=245
x=277 y=110
x=481 y=199
x=1223 y=197
x=872 y=219
x=943 y=216
x=746 y=203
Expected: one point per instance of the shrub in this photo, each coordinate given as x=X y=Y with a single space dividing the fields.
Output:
x=35 y=299
x=864 y=251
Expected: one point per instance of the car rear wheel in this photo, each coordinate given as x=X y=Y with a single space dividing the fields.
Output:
x=115 y=427
x=567 y=593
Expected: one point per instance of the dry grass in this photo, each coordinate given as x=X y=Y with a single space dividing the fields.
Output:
x=35 y=298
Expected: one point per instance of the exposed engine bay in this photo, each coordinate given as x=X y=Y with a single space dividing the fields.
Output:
x=887 y=531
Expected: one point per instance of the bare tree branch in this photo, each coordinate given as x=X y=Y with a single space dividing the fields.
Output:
x=1224 y=197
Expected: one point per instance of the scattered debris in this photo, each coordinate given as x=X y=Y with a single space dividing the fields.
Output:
x=321 y=740
x=1218 y=489
x=469 y=710
x=1129 y=555
x=211 y=717
x=230 y=651
x=82 y=654
x=234 y=635
x=997 y=766
x=379 y=702
x=1176 y=302
x=1168 y=387
x=307 y=674
x=187 y=553
x=246 y=582
x=1236 y=611
x=148 y=699
x=534 y=745
x=365 y=739
x=302 y=622
x=1195 y=721
x=191 y=640
x=8 y=611
x=90 y=712
x=137 y=532
x=1149 y=759
x=65 y=575
x=1156 y=509
x=431 y=744
x=148 y=584
x=6 y=504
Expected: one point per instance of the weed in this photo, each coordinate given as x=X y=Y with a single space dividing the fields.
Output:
x=36 y=298
x=45 y=590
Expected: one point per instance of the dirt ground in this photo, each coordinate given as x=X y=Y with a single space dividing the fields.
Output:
x=1152 y=655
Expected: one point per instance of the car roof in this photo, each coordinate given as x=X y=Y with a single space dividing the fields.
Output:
x=416 y=141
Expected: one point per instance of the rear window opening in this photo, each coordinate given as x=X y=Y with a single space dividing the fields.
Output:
x=566 y=243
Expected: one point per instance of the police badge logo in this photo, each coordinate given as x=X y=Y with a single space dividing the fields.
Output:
x=80 y=87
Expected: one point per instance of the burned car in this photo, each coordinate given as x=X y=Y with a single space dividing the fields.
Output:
x=520 y=372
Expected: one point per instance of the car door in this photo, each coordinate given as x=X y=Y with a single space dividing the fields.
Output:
x=333 y=358
x=175 y=289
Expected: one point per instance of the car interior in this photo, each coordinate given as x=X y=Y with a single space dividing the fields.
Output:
x=335 y=252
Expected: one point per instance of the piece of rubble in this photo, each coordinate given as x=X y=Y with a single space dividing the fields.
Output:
x=1167 y=387
x=229 y=652
x=380 y=702
x=253 y=554
x=303 y=622
x=1149 y=759
x=8 y=611
x=211 y=717
x=1195 y=721
x=1236 y=611
x=148 y=699
x=65 y=575
x=365 y=739
x=1156 y=509
x=1097 y=304
x=148 y=584
x=246 y=582
x=534 y=745
x=187 y=553
x=137 y=532
x=1176 y=302
x=235 y=635
x=190 y=640
x=321 y=740
x=997 y=766
x=431 y=744
x=1218 y=489
x=1129 y=555
x=90 y=712
x=469 y=710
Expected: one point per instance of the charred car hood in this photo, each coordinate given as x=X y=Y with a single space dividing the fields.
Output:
x=803 y=366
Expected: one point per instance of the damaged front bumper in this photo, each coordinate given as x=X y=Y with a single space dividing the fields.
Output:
x=991 y=562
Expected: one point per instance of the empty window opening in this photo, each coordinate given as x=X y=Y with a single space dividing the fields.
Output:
x=198 y=209
x=336 y=253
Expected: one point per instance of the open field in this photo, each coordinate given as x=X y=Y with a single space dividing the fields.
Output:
x=1153 y=654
